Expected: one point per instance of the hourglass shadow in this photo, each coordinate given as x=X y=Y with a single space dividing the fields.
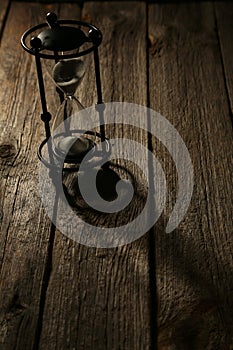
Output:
x=106 y=183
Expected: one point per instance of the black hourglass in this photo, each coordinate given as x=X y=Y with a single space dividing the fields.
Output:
x=63 y=45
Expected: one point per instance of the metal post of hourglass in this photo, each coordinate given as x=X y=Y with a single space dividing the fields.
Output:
x=98 y=86
x=45 y=116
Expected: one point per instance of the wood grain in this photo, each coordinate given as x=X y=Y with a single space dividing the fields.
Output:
x=194 y=262
x=57 y=294
x=100 y=298
x=224 y=14
x=25 y=229
x=4 y=6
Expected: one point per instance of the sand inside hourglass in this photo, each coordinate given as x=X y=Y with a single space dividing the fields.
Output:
x=75 y=148
x=68 y=74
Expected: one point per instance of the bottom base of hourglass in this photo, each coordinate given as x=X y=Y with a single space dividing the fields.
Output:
x=73 y=149
x=55 y=159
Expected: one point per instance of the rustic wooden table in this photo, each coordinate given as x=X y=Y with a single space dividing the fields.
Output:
x=165 y=291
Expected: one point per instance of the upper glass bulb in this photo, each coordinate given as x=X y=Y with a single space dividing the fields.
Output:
x=68 y=74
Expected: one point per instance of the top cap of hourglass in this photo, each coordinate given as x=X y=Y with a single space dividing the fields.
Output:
x=61 y=36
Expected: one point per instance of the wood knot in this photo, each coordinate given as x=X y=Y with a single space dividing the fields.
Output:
x=7 y=151
x=151 y=40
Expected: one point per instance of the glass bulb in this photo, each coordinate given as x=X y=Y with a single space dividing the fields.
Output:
x=68 y=74
x=68 y=141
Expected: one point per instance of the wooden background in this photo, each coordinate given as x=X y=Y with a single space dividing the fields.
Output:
x=165 y=291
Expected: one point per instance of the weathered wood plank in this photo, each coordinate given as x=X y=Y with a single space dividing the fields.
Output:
x=3 y=13
x=25 y=229
x=100 y=298
x=224 y=15
x=194 y=262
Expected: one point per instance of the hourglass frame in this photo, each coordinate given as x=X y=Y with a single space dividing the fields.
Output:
x=36 y=49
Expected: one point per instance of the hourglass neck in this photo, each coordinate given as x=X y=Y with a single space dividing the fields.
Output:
x=69 y=96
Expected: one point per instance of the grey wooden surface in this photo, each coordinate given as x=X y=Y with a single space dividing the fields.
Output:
x=165 y=291
x=194 y=262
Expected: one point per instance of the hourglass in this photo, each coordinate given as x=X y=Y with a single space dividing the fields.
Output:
x=73 y=145
x=62 y=44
